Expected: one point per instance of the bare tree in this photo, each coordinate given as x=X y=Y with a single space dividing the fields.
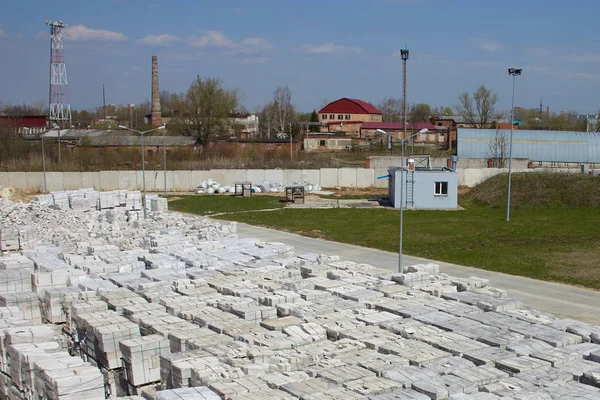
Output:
x=478 y=109
x=391 y=109
x=498 y=149
x=284 y=110
x=267 y=120
x=204 y=111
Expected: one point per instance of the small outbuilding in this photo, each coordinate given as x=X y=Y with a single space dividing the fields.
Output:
x=423 y=187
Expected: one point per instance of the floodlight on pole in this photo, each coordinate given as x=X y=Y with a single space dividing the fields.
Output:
x=514 y=72
x=143 y=162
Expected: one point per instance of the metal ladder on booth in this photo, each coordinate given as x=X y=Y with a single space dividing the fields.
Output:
x=410 y=186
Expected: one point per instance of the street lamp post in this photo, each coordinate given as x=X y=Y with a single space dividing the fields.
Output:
x=165 y=158
x=514 y=72
x=143 y=162
x=44 y=164
x=400 y=253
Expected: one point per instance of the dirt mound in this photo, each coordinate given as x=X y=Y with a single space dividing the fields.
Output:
x=14 y=195
x=537 y=190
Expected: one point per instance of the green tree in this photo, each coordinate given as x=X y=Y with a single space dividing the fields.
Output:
x=477 y=109
x=204 y=110
x=314 y=117
x=420 y=113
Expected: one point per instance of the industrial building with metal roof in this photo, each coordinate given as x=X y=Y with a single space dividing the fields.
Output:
x=537 y=146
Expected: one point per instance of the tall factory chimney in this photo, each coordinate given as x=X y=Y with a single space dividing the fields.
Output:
x=155 y=113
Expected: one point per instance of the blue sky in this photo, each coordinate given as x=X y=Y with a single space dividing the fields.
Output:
x=322 y=50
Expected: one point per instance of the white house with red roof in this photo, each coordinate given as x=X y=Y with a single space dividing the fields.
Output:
x=347 y=115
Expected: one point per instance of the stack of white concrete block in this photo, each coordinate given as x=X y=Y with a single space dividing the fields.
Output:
x=61 y=199
x=159 y=204
x=9 y=238
x=16 y=261
x=192 y=393
x=99 y=335
x=141 y=358
x=67 y=378
x=15 y=280
x=27 y=302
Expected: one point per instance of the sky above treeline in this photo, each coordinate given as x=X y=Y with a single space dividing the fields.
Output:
x=323 y=50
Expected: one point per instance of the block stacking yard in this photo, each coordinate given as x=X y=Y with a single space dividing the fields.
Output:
x=97 y=302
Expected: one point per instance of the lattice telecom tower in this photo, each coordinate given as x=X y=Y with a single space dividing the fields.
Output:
x=60 y=109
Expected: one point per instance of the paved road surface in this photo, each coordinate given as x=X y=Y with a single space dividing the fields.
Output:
x=562 y=300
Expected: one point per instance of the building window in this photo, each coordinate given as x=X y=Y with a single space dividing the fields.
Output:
x=347 y=116
x=441 y=189
x=439 y=124
x=322 y=143
x=149 y=152
x=374 y=117
x=331 y=116
x=340 y=116
x=324 y=116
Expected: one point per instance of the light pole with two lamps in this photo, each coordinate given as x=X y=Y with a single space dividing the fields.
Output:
x=143 y=161
x=422 y=131
x=514 y=72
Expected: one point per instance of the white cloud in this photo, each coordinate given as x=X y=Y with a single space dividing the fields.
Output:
x=254 y=60
x=218 y=39
x=487 y=45
x=330 y=48
x=158 y=40
x=583 y=57
x=482 y=64
x=538 y=52
x=81 y=33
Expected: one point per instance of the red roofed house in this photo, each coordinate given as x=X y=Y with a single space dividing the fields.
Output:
x=347 y=115
x=434 y=136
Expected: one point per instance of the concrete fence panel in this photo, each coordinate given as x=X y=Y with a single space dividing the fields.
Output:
x=90 y=180
x=383 y=182
x=127 y=180
x=347 y=177
x=228 y=176
x=312 y=176
x=197 y=177
x=329 y=177
x=274 y=175
x=365 y=178
x=54 y=180
x=256 y=176
x=18 y=180
x=35 y=181
x=182 y=181
x=109 y=180
x=291 y=176
x=4 y=178
x=72 y=180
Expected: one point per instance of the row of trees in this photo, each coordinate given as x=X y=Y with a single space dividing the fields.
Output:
x=392 y=110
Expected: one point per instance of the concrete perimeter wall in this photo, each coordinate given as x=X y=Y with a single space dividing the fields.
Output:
x=187 y=181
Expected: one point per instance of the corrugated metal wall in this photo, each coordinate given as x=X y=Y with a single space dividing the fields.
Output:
x=549 y=146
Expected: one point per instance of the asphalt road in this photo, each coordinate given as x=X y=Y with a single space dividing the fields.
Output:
x=562 y=300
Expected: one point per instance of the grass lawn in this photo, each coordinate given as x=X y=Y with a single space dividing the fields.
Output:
x=552 y=244
x=553 y=234
x=208 y=205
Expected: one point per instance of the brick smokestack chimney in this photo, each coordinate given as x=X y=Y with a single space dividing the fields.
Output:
x=156 y=119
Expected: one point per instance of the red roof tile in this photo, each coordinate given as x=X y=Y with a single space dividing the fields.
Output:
x=394 y=126
x=349 y=106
